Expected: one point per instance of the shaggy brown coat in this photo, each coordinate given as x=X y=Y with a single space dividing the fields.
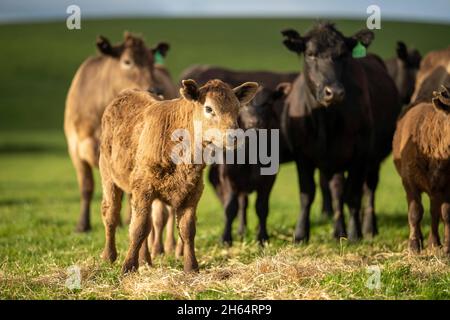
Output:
x=135 y=158
x=98 y=80
x=421 y=150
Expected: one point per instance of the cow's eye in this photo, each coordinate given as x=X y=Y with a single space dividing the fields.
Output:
x=209 y=110
x=127 y=63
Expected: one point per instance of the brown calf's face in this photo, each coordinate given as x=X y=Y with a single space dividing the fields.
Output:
x=134 y=62
x=217 y=104
x=326 y=51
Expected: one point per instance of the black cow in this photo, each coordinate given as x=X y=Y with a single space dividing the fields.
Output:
x=329 y=122
x=234 y=182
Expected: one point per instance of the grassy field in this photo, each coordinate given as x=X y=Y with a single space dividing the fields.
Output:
x=39 y=201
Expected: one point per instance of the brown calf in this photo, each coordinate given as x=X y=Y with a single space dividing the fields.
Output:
x=136 y=158
x=98 y=80
x=421 y=151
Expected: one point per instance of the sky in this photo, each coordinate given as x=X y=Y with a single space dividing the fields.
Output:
x=39 y=10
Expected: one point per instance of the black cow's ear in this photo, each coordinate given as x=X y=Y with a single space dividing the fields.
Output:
x=282 y=90
x=293 y=41
x=364 y=36
x=162 y=48
x=105 y=47
x=189 y=90
x=402 y=51
x=246 y=92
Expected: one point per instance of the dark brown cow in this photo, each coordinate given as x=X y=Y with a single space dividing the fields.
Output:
x=329 y=121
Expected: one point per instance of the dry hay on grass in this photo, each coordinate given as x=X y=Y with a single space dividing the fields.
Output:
x=289 y=273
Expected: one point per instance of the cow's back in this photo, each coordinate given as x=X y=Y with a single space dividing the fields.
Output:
x=384 y=104
x=434 y=71
x=89 y=94
x=202 y=73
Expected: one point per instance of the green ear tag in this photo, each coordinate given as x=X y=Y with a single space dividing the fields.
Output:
x=159 y=59
x=359 y=51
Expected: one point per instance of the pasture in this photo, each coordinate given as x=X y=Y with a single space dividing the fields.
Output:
x=39 y=199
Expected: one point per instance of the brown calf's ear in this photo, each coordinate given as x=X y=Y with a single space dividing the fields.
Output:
x=189 y=90
x=162 y=48
x=441 y=99
x=294 y=42
x=282 y=90
x=105 y=47
x=246 y=92
x=402 y=51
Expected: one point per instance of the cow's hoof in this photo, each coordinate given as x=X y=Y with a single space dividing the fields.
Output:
x=82 y=227
x=191 y=267
x=109 y=255
x=129 y=267
x=415 y=246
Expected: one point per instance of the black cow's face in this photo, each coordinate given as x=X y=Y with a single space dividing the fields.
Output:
x=326 y=53
x=259 y=112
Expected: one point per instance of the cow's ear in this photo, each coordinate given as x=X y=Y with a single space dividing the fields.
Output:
x=364 y=36
x=105 y=47
x=189 y=90
x=162 y=48
x=282 y=90
x=293 y=41
x=441 y=99
x=246 y=92
x=402 y=51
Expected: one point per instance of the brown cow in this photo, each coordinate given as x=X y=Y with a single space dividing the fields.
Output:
x=434 y=71
x=422 y=157
x=137 y=157
x=98 y=80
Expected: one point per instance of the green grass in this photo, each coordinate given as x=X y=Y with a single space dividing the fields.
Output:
x=39 y=199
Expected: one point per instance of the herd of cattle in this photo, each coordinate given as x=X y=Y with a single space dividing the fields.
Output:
x=343 y=115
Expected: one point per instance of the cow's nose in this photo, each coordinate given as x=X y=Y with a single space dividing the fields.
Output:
x=333 y=93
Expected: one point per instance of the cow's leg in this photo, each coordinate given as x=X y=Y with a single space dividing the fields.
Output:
x=327 y=200
x=140 y=226
x=179 y=248
x=305 y=172
x=231 y=210
x=369 y=221
x=86 y=184
x=445 y=211
x=262 y=210
x=415 y=214
x=159 y=219
x=336 y=185
x=169 y=244
x=352 y=194
x=128 y=210
x=435 y=210
x=186 y=217
x=111 y=203
x=243 y=204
